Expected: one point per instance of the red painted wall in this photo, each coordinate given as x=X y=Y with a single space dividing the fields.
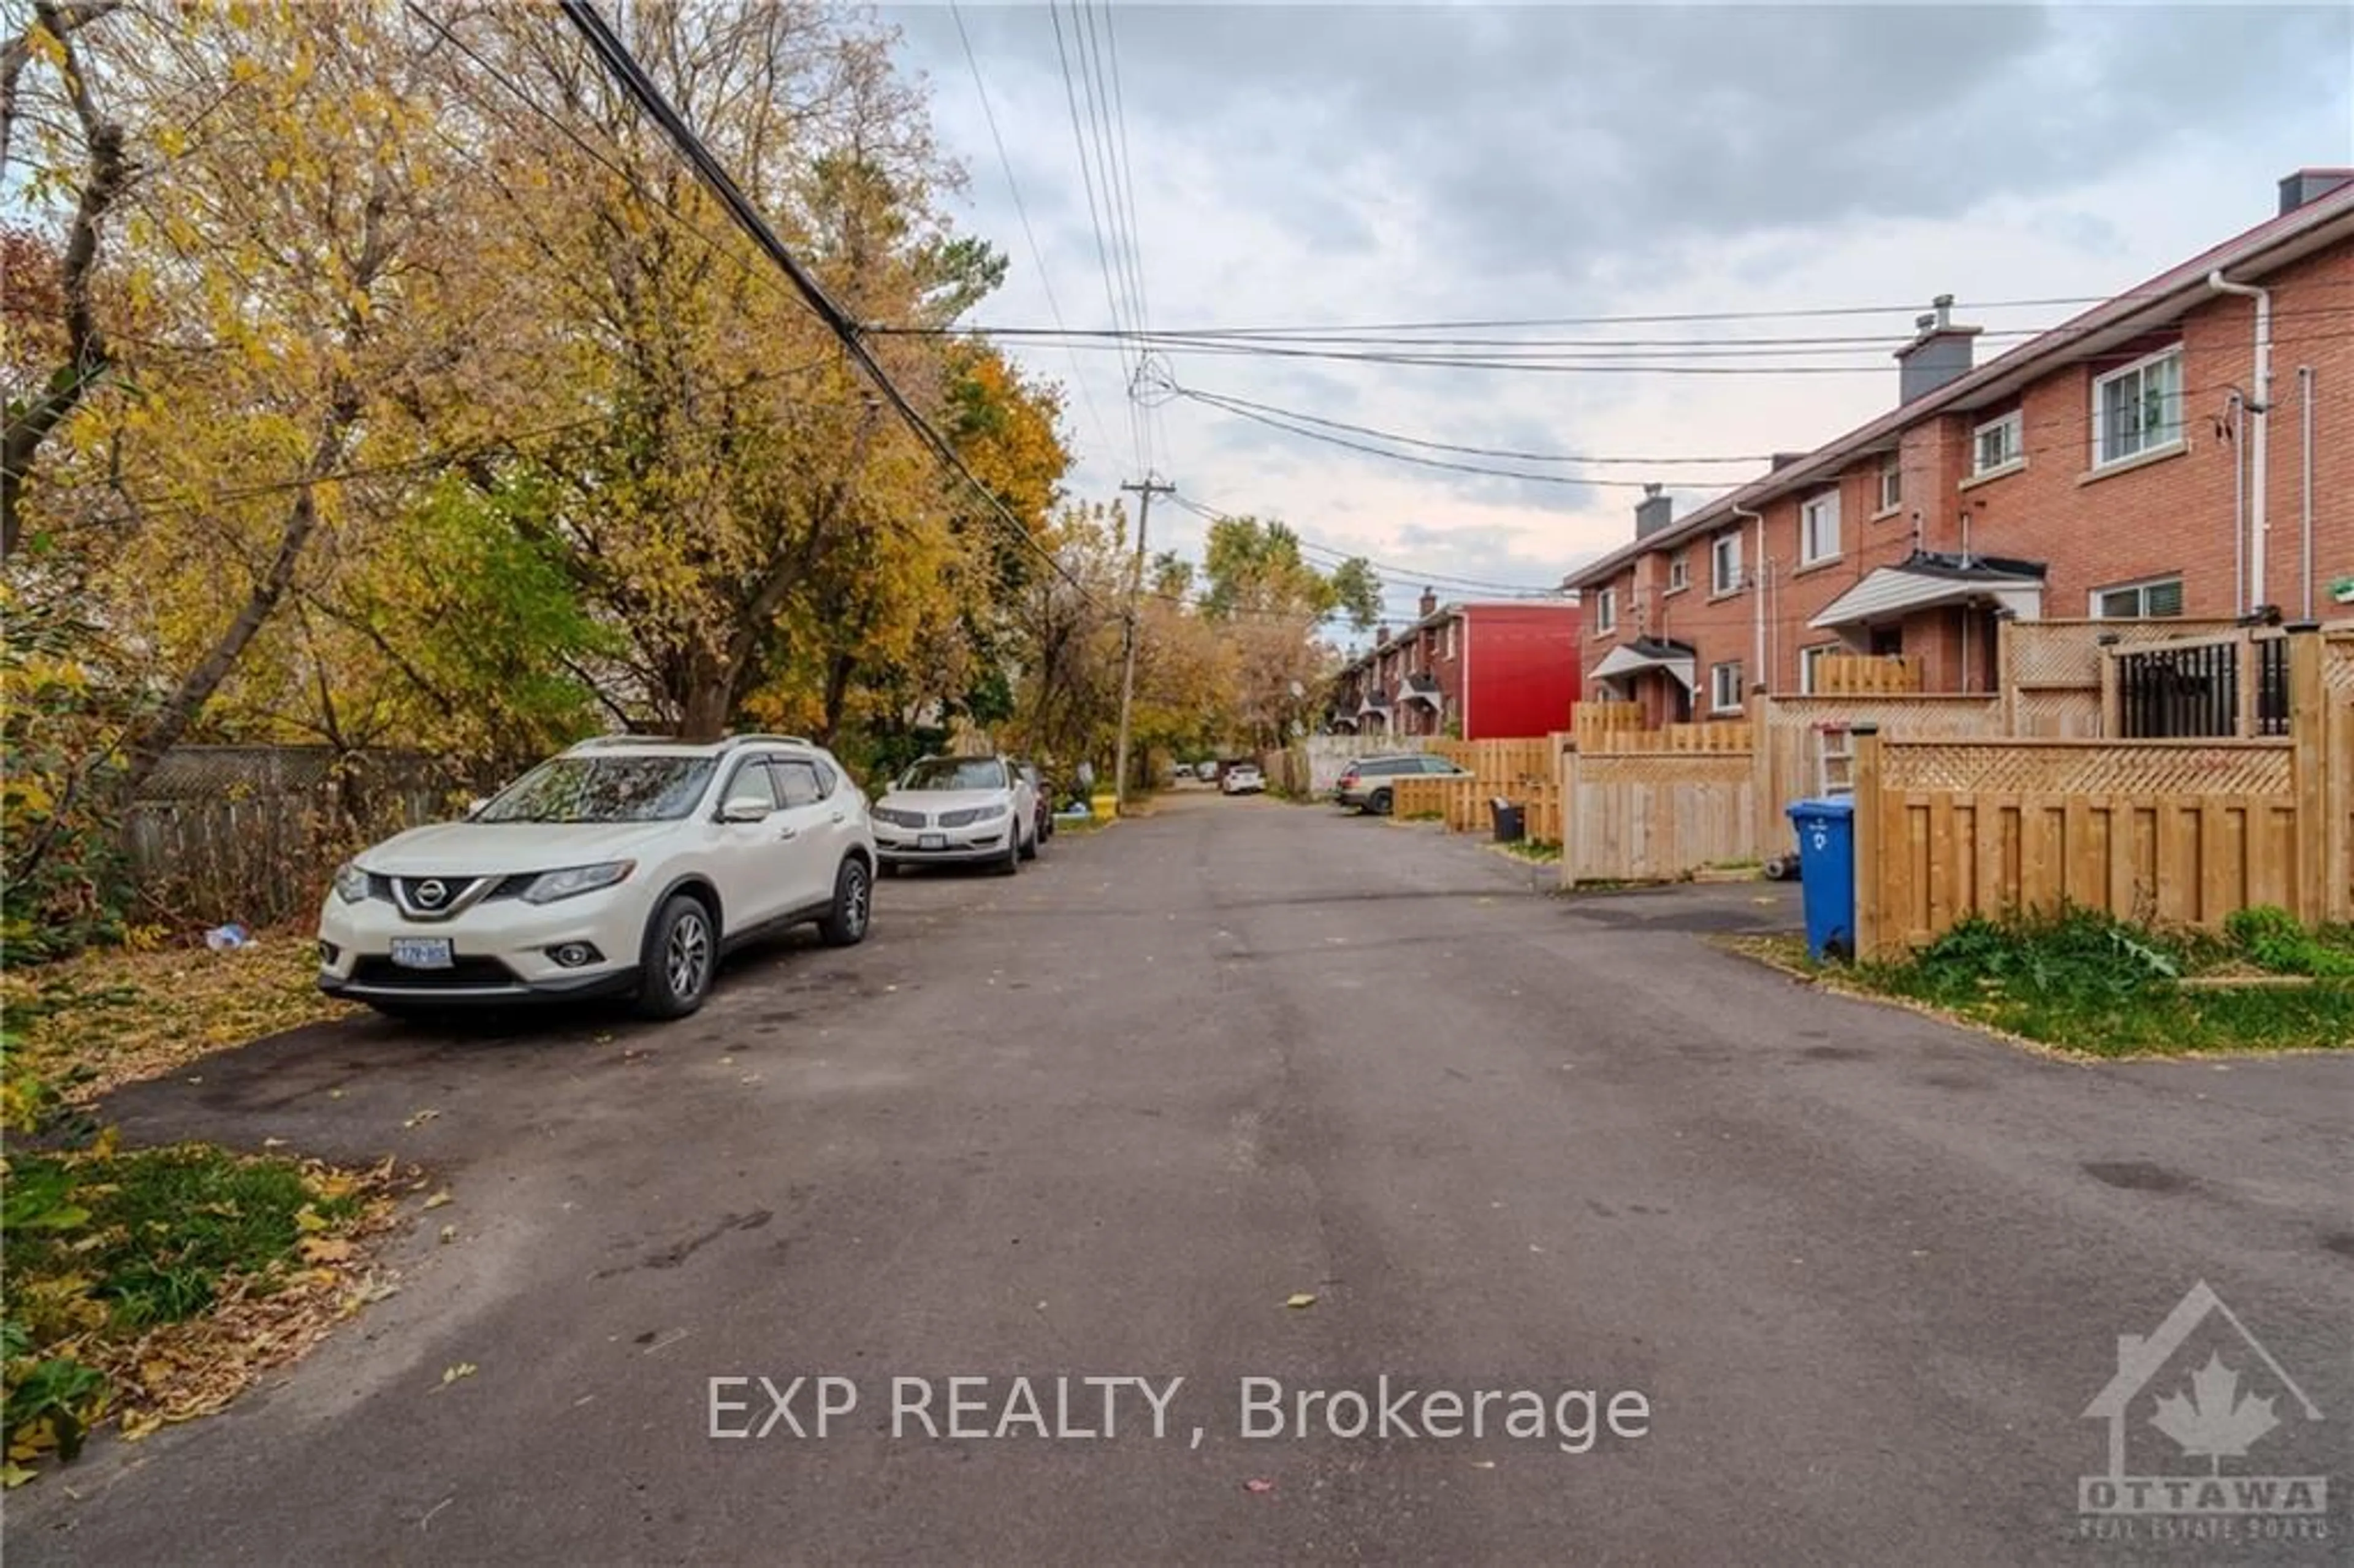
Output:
x=1523 y=673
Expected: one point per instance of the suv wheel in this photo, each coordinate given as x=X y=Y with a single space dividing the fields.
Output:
x=674 y=972
x=844 y=924
x=1379 y=803
x=1030 y=846
x=1012 y=861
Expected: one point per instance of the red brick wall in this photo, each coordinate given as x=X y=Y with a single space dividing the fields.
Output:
x=2171 y=516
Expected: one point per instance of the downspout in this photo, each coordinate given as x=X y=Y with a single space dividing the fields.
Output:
x=2239 y=499
x=1763 y=672
x=2259 y=405
x=2304 y=507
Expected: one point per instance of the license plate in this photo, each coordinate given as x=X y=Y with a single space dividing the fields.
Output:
x=421 y=952
x=931 y=840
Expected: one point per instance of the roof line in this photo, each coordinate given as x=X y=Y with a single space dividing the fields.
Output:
x=2159 y=293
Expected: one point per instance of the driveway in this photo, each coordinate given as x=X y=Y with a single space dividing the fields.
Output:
x=1861 y=1274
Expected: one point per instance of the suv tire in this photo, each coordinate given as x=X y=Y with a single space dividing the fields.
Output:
x=681 y=951
x=1012 y=860
x=1030 y=846
x=1379 y=802
x=844 y=924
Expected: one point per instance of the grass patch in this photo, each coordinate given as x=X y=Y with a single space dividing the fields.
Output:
x=1535 y=851
x=1423 y=817
x=106 y=1018
x=2087 y=984
x=149 y=1285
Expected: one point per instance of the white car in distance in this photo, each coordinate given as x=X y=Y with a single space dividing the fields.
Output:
x=624 y=866
x=958 y=810
x=1243 y=778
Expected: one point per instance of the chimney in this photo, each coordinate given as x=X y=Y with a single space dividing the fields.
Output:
x=2309 y=186
x=1654 y=512
x=1940 y=354
x=1429 y=604
x=1784 y=460
x=1382 y=636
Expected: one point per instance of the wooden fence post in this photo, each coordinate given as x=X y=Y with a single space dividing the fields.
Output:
x=1565 y=776
x=2006 y=672
x=1762 y=826
x=2309 y=782
x=1866 y=842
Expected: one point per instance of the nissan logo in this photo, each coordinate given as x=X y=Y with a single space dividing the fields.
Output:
x=432 y=892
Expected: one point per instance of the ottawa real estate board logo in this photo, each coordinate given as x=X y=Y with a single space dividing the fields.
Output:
x=2197 y=1413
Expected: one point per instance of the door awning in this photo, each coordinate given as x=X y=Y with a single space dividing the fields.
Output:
x=1927 y=581
x=1676 y=659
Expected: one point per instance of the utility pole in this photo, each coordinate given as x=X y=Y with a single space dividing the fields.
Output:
x=1147 y=490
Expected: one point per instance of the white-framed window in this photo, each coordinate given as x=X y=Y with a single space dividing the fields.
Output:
x=1679 y=571
x=1892 y=482
x=1818 y=527
x=2138 y=409
x=1605 y=612
x=2155 y=598
x=1808 y=658
x=1724 y=686
x=1725 y=562
x=1997 y=444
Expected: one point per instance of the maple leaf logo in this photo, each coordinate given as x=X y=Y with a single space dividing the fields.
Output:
x=2214 y=1421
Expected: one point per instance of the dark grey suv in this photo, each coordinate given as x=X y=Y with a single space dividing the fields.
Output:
x=1366 y=783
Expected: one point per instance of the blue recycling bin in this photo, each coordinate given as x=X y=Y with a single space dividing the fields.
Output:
x=1827 y=870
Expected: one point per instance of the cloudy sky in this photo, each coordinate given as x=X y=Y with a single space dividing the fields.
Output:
x=1335 y=166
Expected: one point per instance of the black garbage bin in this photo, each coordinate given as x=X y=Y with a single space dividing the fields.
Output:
x=1511 y=821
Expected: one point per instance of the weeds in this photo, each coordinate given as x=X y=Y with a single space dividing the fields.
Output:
x=2087 y=981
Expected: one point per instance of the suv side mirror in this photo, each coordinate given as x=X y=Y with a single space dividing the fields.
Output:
x=745 y=811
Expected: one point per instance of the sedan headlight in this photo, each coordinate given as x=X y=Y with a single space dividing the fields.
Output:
x=351 y=882
x=550 y=886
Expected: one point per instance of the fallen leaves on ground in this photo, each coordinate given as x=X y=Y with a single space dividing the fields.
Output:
x=108 y=1018
x=1258 y=1484
x=183 y=1370
x=463 y=1369
x=1300 y=1299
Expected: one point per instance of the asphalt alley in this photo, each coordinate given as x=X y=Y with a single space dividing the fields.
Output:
x=1109 y=1118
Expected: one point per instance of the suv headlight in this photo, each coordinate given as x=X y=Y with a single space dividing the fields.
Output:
x=351 y=882
x=550 y=886
x=990 y=814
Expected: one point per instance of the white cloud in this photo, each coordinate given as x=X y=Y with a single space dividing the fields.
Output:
x=1304 y=166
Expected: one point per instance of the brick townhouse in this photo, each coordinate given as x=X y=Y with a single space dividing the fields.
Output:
x=2186 y=448
x=1488 y=670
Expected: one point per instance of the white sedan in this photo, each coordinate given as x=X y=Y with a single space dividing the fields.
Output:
x=951 y=809
x=1243 y=778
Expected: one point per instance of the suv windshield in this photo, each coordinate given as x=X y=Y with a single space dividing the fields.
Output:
x=603 y=789
x=954 y=773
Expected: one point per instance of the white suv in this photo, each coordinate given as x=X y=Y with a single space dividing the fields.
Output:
x=624 y=866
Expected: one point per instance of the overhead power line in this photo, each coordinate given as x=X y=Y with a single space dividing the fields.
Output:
x=1497 y=324
x=1020 y=208
x=624 y=69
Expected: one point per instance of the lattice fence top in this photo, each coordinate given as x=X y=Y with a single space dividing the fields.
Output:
x=2104 y=767
x=2337 y=663
x=2068 y=652
x=1896 y=715
x=1664 y=768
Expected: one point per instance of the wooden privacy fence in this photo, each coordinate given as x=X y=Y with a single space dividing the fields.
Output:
x=2051 y=670
x=1522 y=771
x=2175 y=830
x=1654 y=816
x=1862 y=674
x=253 y=833
x=1792 y=735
